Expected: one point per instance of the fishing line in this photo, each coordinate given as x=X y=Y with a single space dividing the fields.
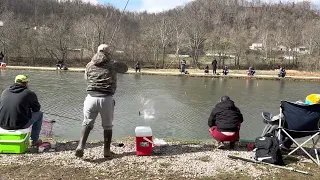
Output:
x=114 y=32
x=62 y=116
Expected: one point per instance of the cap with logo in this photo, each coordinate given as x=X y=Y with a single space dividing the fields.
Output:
x=21 y=79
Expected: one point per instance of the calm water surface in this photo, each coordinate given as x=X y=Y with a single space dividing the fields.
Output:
x=181 y=105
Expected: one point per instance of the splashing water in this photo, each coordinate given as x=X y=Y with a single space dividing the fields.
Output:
x=148 y=109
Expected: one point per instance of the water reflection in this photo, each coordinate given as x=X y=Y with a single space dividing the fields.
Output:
x=137 y=76
x=181 y=105
x=282 y=86
x=250 y=83
x=183 y=80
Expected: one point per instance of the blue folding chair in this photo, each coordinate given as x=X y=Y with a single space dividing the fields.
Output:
x=300 y=121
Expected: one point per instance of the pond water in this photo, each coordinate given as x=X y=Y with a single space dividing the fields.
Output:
x=175 y=107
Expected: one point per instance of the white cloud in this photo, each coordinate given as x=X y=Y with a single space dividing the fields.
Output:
x=91 y=1
x=95 y=2
x=161 y=5
x=272 y=1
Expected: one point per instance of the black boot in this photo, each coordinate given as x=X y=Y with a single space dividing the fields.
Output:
x=85 y=131
x=107 y=135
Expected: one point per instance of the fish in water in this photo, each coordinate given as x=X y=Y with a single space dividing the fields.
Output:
x=146 y=115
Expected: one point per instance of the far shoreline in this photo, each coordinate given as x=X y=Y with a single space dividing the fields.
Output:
x=238 y=74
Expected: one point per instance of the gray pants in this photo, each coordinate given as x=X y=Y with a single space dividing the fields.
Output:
x=94 y=105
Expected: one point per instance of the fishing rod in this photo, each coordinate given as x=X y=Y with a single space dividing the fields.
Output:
x=273 y=165
x=118 y=23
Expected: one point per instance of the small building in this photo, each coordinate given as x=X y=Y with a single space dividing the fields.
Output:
x=180 y=55
x=256 y=46
x=220 y=55
x=301 y=50
x=287 y=57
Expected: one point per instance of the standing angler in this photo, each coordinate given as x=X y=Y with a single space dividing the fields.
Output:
x=101 y=76
x=214 y=66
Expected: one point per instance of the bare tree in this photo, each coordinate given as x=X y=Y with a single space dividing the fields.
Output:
x=179 y=34
x=57 y=39
x=196 y=29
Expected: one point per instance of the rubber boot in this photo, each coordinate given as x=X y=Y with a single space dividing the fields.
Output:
x=85 y=131
x=107 y=135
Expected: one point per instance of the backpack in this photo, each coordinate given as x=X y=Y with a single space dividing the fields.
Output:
x=268 y=150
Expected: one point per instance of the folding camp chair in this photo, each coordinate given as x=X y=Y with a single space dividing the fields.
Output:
x=300 y=121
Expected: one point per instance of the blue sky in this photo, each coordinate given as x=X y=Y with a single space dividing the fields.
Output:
x=148 y=5
x=134 y=5
x=160 y=5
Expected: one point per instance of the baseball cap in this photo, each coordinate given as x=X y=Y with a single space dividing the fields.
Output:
x=21 y=79
x=103 y=47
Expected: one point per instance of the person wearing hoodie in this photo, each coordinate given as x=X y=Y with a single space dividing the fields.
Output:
x=224 y=121
x=101 y=77
x=1 y=57
x=20 y=109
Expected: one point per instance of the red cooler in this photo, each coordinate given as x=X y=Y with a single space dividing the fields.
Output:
x=143 y=140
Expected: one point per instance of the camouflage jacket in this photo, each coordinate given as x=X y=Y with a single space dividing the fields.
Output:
x=101 y=75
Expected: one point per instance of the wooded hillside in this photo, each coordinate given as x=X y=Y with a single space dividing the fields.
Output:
x=41 y=32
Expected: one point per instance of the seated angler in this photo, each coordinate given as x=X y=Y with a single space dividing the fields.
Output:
x=20 y=109
x=206 y=70
x=225 y=70
x=251 y=71
x=224 y=121
x=61 y=65
x=282 y=72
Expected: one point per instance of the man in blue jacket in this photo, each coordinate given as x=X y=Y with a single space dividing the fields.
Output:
x=20 y=109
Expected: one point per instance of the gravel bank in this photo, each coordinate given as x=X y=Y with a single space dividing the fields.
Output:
x=187 y=160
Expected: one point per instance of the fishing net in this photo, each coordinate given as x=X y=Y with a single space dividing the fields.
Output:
x=46 y=128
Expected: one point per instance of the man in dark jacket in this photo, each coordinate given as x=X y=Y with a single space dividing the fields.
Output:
x=224 y=121
x=137 y=67
x=214 y=66
x=1 y=57
x=20 y=109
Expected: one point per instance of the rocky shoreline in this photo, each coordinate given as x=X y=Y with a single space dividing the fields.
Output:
x=184 y=160
x=189 y=160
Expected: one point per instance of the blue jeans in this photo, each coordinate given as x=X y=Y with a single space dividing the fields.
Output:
x=36 y=123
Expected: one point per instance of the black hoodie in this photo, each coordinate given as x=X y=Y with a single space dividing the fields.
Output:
x=226 y=116
x=16 y=106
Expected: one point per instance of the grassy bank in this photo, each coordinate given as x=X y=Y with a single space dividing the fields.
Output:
x=180 y=160
x=240 y=74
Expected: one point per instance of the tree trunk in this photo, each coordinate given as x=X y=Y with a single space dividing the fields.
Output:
x=163 y=55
